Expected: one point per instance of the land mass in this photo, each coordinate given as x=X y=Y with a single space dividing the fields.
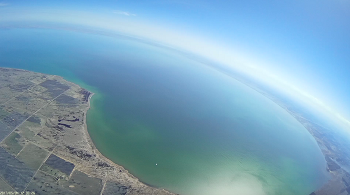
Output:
x=44 y=144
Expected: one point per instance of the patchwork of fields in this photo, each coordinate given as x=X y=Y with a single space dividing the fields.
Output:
x=45 y=147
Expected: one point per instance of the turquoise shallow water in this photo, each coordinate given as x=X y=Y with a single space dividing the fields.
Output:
x=207 y=133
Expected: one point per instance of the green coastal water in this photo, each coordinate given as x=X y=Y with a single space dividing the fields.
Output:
x=207 y=133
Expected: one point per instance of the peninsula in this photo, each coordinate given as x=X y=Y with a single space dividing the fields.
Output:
x=45 y=145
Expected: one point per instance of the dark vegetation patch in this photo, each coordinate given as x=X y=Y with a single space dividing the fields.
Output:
x=14 y=172
x=3 y=112
x=68 y=126
x=332 y=166
x=34 y=119
x=65 y=99
x=58 y=163
x=114 y=189
x=54 y=88
x=13 y=119
x=20 y=87
x=103 y=164
x=80 y=153
x=86 y=94
x=4 y=131
x=73 y=120
x=346 y=179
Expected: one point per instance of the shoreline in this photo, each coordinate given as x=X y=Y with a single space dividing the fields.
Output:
x=52 y=121
x=94 y=148
x=100 y=155
x=86 y=132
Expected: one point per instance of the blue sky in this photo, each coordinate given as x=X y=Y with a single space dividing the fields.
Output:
x=304 y=43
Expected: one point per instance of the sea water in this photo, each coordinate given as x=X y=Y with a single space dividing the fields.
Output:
x=173 y=122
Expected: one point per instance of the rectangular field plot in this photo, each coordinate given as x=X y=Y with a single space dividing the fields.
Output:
x=4 y=131
x=64 y=99
x=114 y=189
x=34 y=119
x=83 y=184
x=28 y=102
x=54 y=88
x=33 y=156
x=11 y=116
x=56 y=163
x=14 y=172
x=20 y=86
x=14 y=119
x=45 y=184
x=13 y=143
x=6 y=94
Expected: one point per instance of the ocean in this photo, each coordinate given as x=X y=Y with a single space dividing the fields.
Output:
x=171 y=121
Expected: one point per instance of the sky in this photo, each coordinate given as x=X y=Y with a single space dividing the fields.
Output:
x=298 y=45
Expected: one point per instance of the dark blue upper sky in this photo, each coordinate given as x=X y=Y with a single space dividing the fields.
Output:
x=305 y=43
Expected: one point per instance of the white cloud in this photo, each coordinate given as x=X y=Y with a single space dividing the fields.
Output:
x=3 y=4
x=124 y=13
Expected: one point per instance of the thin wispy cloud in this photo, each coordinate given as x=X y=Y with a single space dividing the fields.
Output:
x=124 y=13
x=3 y=4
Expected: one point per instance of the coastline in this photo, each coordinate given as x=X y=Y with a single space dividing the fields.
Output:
x=49 y=140
x=131 y=179
x=104 y=157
